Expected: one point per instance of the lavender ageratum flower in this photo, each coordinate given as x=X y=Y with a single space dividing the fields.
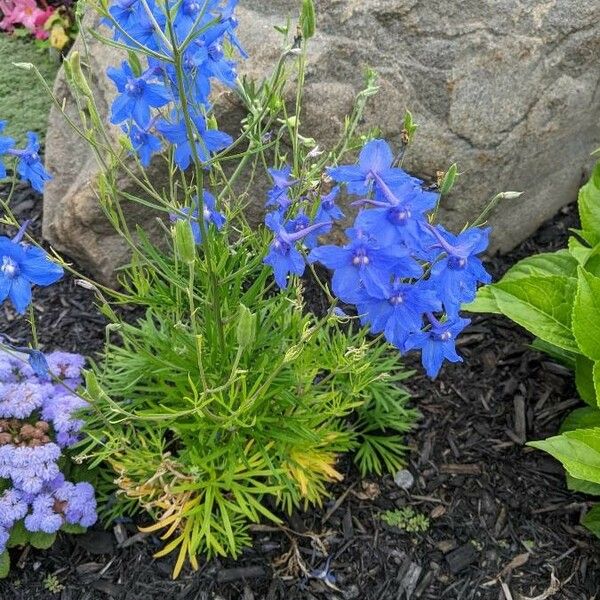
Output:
x=9 y=368
x=19 y=400
x=43 y=516
x=374 y=166
x=4 y=537
x=364 y=264
x=438 y=343
x=60 y=410
x=13 y=508
x=21 y=266
x=137 y=95
x=205 y=140
x=65 y=365
x=30 y=467
x=283 y=257
x=6 y=143
x=457 y=272
x=397 y=310
x=80 y=503
x=209 y=211
x=145 y=144
x=29 y=163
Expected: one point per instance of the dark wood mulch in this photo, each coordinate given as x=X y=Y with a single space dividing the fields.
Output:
x=502 y=523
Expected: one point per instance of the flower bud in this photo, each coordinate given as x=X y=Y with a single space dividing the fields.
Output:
x=246 y=328
x=184 y=241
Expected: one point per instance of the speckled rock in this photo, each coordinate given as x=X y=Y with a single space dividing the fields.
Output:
x=508 y=89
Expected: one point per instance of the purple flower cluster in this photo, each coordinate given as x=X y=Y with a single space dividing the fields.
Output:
x=29 y=163
x=38 y=420
x=200 y=30
x=407 y=277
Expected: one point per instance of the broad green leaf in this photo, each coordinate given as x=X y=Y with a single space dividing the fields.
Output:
x=568 y=359
x=592 y=520
x=584 y=379
x=586 y=314
x=592 y=261
x=580 y=252
x=542 y=305
x=484 y=302
x=4 y=564
x=73 y=529
x=583 y=487
x=19 y=536
x=42 y=540
x=547 y=263
x=581 y=418
x=560 y=263
x=578 y=451
x=589 y=207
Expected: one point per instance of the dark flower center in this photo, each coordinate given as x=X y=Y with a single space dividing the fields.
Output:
x=399 y=216
x=134 y=87
x=457 y=263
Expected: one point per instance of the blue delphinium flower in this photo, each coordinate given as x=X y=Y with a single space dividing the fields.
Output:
x=21 y=266
x=363 y=263
x=456 y=274
x=438 y=343
x=29 y=163
x=137 y=95
x=145 y=144
x=398 y=268
x=399 y=217
x=282 y=183
x=283 y=257
x=328 y=210
x=206 y=140
x=6 y=143
x=374 y=167
x=397 y=309
x=209 y=211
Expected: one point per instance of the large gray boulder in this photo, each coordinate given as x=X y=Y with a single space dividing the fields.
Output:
x=509 y=90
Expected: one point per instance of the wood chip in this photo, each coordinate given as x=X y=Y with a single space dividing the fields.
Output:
x=461 y=469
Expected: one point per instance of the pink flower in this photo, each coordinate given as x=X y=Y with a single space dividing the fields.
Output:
x=7 y=8
x=40 y=21
x=26 y=12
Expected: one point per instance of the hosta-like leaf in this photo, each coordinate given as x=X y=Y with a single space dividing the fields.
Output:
x=592 y=520
x=560 y=263
x=586 y=314
x=542 y=305
x=584 y=379
x=581 y=418
x=578 y=451
x=583 y=487
x=589 y=208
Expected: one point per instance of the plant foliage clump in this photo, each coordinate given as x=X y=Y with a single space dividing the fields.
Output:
x=556 y=296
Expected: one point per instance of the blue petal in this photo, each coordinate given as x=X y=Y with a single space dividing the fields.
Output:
x=20 y=294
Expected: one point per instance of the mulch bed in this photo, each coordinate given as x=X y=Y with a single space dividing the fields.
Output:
x=503 y=524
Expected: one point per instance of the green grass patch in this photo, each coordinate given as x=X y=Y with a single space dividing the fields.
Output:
x=23 y=103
